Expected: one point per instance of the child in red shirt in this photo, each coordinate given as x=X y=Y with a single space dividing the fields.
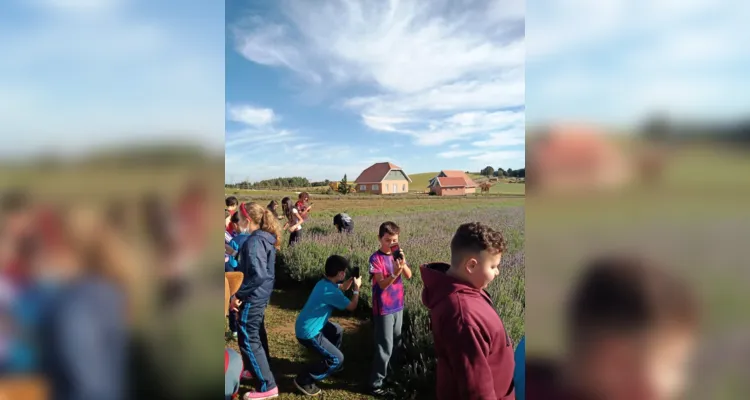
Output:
x=475 y=357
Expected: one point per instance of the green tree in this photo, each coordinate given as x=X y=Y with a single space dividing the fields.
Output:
x=344 y=186
x=488 y=171
x=500 y=173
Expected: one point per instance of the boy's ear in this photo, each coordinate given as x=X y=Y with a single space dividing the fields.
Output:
x=470 y=264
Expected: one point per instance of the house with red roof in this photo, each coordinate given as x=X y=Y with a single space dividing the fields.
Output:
x=383 y=178
x=452 y=183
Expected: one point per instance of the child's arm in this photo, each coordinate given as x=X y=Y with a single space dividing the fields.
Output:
x=347 y=284
x=384 y=282
x=338 y=300
x=357 y=282
x=405 y=270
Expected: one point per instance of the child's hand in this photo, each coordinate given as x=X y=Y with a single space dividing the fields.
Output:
x=357 y=282
x=398 y=268
x=402 y=260
x=234 y=304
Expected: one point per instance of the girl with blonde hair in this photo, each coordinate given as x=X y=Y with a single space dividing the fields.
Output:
x=256 y=262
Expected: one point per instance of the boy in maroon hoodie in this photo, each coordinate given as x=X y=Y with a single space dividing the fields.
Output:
x=474 y=352
x=630 y=335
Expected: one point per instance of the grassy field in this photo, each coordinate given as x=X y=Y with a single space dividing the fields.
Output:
x=504 y=187
x=427 y=225
x=418 y=185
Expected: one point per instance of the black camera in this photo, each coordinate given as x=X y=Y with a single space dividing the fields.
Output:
x=355 y=272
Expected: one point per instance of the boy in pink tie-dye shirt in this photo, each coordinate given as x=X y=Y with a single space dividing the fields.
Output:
x=387 y=302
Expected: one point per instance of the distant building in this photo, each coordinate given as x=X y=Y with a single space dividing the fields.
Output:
x=383 y=178
x=452 y=183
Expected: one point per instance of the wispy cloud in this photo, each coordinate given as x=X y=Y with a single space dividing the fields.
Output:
x=416 y=70
x=249 y=115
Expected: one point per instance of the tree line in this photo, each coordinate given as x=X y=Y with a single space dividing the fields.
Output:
x=281 y=182
x=503 y=173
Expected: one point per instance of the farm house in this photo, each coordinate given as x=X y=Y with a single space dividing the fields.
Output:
x=383 y=178
x=452 y=183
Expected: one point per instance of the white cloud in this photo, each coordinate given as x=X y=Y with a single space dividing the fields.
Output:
x=414 y=67
x=399 y=46
x=456 y=127
x=249 y=115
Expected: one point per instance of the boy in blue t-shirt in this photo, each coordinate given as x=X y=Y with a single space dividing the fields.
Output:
x=314 y=331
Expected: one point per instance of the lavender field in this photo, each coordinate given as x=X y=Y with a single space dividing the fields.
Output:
x=425 y=237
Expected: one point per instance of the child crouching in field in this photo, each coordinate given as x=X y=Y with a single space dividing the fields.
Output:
x=631 y=331
x=314 y=331
x=474 y=352
x=386 y=270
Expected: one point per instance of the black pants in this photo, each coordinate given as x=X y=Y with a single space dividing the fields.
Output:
x=328 y=345
x=295 y=237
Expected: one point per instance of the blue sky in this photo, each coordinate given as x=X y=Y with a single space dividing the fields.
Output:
x=320 y=89
x=79 y=74
x=616 y=61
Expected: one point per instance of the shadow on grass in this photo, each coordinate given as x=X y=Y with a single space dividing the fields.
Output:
x=291 y=299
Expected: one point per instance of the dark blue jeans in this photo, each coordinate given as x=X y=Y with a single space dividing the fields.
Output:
x=253 y=344
x=328 y=344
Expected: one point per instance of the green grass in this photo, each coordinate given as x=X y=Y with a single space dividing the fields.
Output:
x=503 y=187
x=420 y=181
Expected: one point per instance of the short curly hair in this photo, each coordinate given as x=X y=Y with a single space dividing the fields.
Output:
x=473 y=238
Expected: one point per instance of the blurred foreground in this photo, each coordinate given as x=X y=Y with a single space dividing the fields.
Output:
x=679 y=200
x=106 y=277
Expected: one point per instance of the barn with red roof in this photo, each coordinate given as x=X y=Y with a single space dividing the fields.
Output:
x=452 y=183
x=383 y=178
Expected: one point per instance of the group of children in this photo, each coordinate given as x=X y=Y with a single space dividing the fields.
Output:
x=453 y=293
x=631 y=327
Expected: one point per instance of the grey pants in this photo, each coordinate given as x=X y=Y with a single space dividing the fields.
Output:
x=387 y=342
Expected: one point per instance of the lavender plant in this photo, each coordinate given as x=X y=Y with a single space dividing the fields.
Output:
x=425 y=237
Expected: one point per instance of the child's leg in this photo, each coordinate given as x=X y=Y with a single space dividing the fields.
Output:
x=332 y=359
x=398 y=322
x=233 y=321
x=383 y=348
x=264 y=337
x=334 y=333
x=253 y=355
x=232 y=375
